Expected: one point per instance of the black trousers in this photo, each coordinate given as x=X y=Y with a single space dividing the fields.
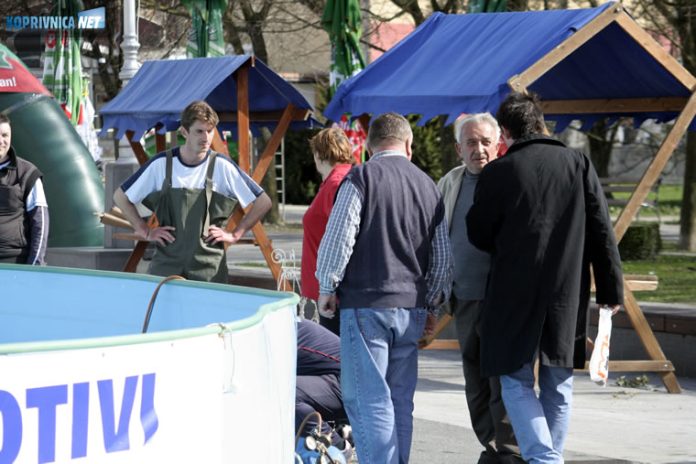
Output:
x=320 y=393
x=486 y=409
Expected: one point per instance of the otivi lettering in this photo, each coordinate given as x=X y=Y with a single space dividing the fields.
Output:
x=47 y=400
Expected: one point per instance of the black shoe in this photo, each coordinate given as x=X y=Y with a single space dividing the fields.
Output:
x=508 y=458
x=488 y=457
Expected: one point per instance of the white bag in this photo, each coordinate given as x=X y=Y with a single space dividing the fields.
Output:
x=599 y=361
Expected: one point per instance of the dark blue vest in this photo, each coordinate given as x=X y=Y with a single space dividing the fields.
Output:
x=400 y=210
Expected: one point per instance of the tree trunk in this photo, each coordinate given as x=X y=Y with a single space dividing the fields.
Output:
x=600 y=147
x=687 y=233
x=268 y=183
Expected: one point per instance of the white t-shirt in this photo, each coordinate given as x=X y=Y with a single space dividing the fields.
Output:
x=228 y=179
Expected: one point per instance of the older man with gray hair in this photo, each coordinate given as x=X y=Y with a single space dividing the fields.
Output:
x=386 y=255
x=478 y=138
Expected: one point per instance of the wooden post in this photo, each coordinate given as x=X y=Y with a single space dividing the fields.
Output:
x=243 y=118
x=273 y=144
x=521 y=81
x=655 y=168
x=160 y=142
x=138 y=149
x=647 y=338
x=219 y=144
x=264 y=244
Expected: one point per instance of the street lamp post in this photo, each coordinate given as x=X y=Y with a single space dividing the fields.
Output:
x=130 y=44
x=126 y=164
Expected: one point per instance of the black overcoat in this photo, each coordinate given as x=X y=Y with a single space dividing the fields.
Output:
x=541 y=213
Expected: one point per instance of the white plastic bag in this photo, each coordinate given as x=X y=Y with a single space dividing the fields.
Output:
x=599 y=361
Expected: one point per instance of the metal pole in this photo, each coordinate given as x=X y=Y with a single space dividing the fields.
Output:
x=130 y=44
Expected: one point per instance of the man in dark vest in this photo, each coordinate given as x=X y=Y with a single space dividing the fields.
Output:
x=386 y=257
x=541 y=213
x=23 y=206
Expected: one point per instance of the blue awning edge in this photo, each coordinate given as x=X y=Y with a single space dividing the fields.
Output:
x=454 y=64
x=161 y=89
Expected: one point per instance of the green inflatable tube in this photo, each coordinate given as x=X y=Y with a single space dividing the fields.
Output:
x=43 y=135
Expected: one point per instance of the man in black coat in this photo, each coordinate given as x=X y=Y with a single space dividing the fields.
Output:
x=541 y=213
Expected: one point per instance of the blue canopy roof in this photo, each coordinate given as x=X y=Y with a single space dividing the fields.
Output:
x=453 y=64
x=161 y=89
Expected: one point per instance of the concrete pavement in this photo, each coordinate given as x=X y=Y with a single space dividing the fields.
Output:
x=609 y=424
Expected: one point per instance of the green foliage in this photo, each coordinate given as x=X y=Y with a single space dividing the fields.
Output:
x=668 y=200
x=641 y=241
x=302 y=180
x=676 y=274
x=433 y=147
x=426 y=147
x=636 y=382
x=301 y=177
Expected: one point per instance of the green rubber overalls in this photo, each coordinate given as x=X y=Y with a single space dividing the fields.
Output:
x=191 y=212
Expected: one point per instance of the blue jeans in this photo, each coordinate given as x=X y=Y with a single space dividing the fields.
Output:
x=379 y=369
x=540 y=424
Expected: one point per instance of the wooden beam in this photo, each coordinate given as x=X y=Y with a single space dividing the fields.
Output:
x=269 y=152
x=655 y=168
x=651 y=46
x=115 y=221
x=138 y=149
x=647 y=338
x=264 y=243
x=160 y=142
x=442 y=344
x=635 y=366
x=637 y=282
x=298 y=114
x=521 y=81
x=218 y=144
x=135 y=257
x=614 y=105
x=243 y=118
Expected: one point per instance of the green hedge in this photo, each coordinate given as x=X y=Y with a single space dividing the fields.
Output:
x=641 y=241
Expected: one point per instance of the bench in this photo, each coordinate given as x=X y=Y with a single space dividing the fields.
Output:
x=612 y=185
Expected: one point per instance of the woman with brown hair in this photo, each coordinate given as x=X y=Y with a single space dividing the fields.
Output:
x=333 y=158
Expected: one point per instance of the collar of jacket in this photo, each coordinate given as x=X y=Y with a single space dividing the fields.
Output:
x=12 y=157
x=533 y=138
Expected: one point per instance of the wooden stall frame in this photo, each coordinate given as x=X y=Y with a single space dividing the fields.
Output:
x=686 y=107
x=243 y=118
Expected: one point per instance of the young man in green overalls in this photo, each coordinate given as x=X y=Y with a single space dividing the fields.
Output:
x=192 y=191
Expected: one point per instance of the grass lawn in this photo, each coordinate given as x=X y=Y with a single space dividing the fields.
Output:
x=676 y=275
x=669 y=200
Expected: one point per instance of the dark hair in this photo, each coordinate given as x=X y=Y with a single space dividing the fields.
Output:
x=4 y=118
x=198 y=111
x=521 y=115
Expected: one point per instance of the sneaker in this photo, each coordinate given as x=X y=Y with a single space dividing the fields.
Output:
x=347 y=451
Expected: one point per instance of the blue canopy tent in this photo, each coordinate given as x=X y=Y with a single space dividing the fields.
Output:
x=244 y=92
x=585 y=64
x=468 y=63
